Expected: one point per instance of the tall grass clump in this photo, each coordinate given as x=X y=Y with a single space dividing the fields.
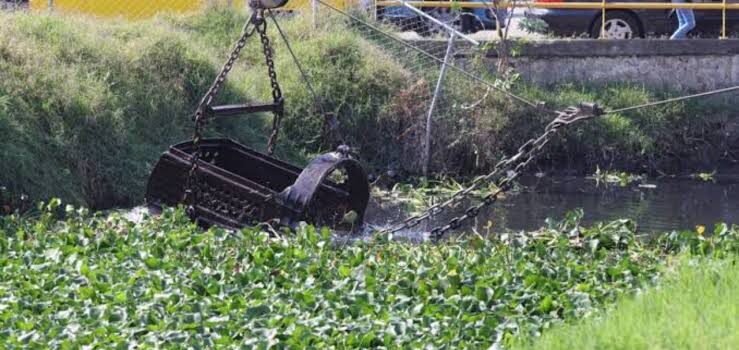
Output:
x=86 y=107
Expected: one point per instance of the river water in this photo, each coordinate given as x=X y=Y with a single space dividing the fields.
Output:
x=656 y=205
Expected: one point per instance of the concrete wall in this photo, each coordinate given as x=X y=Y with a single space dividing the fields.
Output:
x=685 y=65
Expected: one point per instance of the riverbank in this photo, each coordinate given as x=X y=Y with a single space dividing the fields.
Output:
x=75 y=279
x=87 y=106
x=695 y=307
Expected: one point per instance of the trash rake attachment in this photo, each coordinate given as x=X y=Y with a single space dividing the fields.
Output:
x=224 y=183
x=236 y=186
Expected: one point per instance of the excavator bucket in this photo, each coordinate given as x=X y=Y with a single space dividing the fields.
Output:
x=235 y=186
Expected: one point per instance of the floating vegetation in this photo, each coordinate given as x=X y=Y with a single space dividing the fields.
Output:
x=608 y=177
x=707 y=177
x=104 y=281
x=415 y=198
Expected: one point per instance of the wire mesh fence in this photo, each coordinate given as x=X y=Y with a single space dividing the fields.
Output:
x=449 y=87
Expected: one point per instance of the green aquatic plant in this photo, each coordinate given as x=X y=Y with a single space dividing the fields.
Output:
x=414 y=198
x=707 y=177
x=608 y=177
x=72 y=279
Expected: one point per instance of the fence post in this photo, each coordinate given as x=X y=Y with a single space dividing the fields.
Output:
x=723 y=21
x=432 y=106
x=314 y=15
x=603 y=20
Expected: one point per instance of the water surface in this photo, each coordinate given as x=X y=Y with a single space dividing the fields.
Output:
x=656 y=205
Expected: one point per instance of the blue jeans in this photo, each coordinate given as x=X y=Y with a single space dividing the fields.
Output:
x=686 y=21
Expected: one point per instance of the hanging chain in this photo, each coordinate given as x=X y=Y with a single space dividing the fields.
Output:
x=276 y=91
x=526 y=153
x=191 y=184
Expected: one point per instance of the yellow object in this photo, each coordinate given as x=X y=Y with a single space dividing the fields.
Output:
x=129 y=9
x=306 y=4
x=700 y=229
x=141 y=9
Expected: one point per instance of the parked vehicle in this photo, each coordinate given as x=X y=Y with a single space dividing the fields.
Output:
x=464 y=20
x=10 y=5
x=628 y=24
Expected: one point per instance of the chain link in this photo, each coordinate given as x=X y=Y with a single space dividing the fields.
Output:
x=525 y=155
x=276 y=91
x=256 y=23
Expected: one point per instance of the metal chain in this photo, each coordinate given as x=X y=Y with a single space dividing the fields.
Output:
x=276 y=91
x=191 y=185
x=526 y=153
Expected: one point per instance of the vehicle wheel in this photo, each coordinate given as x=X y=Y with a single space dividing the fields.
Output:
x=619 y=25
x=470 y=23
x=448 y=16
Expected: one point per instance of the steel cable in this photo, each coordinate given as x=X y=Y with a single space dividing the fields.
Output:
x=674 y=99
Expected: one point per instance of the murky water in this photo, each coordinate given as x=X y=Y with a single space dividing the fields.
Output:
x=657 y=206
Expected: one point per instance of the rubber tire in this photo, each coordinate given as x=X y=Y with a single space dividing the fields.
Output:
x=469 y=23
x=430 y=29
x=627 y=17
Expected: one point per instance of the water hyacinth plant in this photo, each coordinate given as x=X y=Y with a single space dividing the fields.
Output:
x=104 y=281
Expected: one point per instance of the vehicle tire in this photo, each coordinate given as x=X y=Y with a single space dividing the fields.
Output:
x=448 y=16
x=619 y=25
x=11 y=5
x=470 y=23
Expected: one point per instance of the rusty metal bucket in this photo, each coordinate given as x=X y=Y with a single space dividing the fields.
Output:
x=237 y=186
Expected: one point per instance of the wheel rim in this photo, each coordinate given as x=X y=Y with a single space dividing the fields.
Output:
x=617 y=29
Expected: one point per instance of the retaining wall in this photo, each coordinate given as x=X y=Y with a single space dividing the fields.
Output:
x=685 y=65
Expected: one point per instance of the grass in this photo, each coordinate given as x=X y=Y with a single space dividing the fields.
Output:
x=695 y=307
x=72 y=280
x=87 y=106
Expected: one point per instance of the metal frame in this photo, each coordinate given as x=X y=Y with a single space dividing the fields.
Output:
x=432 y=106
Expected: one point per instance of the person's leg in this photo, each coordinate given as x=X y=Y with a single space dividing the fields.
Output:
x=689 y=17
x=682 y=29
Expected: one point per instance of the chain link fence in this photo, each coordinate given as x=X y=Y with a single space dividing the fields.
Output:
x=450 y=88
